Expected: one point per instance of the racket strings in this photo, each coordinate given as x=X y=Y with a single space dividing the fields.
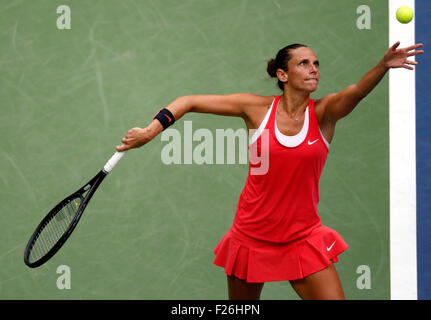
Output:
x=54 y=229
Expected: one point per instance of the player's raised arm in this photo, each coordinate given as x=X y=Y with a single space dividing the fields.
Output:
x=339 y=105
x=236 y=105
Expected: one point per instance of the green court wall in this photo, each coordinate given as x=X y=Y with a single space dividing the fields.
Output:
x=69 y=96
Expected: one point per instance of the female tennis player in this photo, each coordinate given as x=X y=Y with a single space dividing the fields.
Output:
x=277 y=233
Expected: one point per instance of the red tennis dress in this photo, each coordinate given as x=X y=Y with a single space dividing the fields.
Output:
x=277 y=234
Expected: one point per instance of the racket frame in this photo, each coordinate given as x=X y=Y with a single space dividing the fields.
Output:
x=89 y=188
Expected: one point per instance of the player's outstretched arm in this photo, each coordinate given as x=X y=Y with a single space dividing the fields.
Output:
x=236 y=105
x=339 y=105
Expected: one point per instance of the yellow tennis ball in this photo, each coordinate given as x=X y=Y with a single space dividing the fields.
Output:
x=404 y=14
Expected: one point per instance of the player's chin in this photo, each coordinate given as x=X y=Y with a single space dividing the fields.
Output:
x=311 y=86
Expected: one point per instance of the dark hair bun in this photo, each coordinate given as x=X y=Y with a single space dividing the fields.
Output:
x=272 y=68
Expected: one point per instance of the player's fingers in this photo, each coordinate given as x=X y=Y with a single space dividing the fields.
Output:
x=126 y=141
x=415 y=46
x=411 y=62
x=122 y=148
x=395 y=45
x=413 y=53
x=407 y=67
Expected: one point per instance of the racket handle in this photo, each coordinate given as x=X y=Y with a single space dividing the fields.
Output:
x=113 y=161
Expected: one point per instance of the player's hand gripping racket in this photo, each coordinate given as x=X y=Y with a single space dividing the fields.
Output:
x=58 y=224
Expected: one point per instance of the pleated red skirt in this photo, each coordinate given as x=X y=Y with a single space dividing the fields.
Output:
x=261 y=261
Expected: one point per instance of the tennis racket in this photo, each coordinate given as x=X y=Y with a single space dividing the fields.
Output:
x=59 y=223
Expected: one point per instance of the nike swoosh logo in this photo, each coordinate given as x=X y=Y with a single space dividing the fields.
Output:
x=310 y=143
x=329 y=248
x=168 y=117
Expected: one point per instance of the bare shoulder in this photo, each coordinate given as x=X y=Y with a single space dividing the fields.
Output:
x=256 y=110
x=321 y=104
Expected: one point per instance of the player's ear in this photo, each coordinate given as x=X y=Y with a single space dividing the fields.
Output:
x=281 y=75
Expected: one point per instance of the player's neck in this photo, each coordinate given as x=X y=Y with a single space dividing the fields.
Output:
x=294 y=102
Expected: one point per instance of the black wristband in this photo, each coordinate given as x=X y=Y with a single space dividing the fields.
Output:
x=165 y=117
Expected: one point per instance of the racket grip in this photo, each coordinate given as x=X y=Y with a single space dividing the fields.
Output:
x=113 y=161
